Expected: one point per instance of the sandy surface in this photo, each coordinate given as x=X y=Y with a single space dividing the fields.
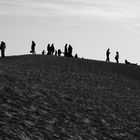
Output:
x=56 y=98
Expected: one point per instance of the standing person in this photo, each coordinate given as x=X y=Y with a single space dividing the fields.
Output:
x=117 y=57
x=52 y=49
x=2 y=48
x=65 y=51
x=107 y=55
x=48 y=49
x=33 y=48
x=70 y=51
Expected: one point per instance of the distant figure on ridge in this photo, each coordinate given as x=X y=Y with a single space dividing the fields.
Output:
x=49 y=49
x=70 y=51
x=76 y=56
x=2 y=48
x=127 y=62
x=117 y=57
x=55 y=52
x=52 y=49
x=66 y=51
x=43 y=52
x=33 y=48
x=107 y=55
x=59 y=52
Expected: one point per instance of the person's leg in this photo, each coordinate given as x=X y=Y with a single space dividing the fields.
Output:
x=2 y=53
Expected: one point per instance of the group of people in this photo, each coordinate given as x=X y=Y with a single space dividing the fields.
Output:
x=50 y=49
x=68 y=50
x=116 y=58
x=107 y=56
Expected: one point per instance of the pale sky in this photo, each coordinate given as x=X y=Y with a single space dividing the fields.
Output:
x=90 y=26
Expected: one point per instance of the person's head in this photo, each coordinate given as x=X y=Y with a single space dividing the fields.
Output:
x=2 y=43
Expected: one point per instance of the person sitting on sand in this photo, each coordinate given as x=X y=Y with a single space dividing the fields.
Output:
x=127 y=62
x=59 y=52
x=43 y=52
x=76 y=55
x=55 y=52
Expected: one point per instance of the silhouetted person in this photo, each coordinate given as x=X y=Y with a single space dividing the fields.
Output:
x=33 y=47
x=43 y=52
x=117 y=57
x=70 y=51
x=127 y=62
x=55 y=52
x=52 y=49
x=107 y=55
x=66 y=51
x=59 y=52
x=2 y=48
x=49 y=49
x=76 y=56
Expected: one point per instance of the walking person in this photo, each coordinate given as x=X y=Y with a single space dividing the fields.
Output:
x=33 y=48
x=117 y=57
x=107 y=55
x=2 y=48
x=65 y=51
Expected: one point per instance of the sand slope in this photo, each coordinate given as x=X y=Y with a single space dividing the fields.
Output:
x=57 y=98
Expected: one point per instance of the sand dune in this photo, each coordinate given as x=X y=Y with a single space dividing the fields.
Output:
x=57 y=98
